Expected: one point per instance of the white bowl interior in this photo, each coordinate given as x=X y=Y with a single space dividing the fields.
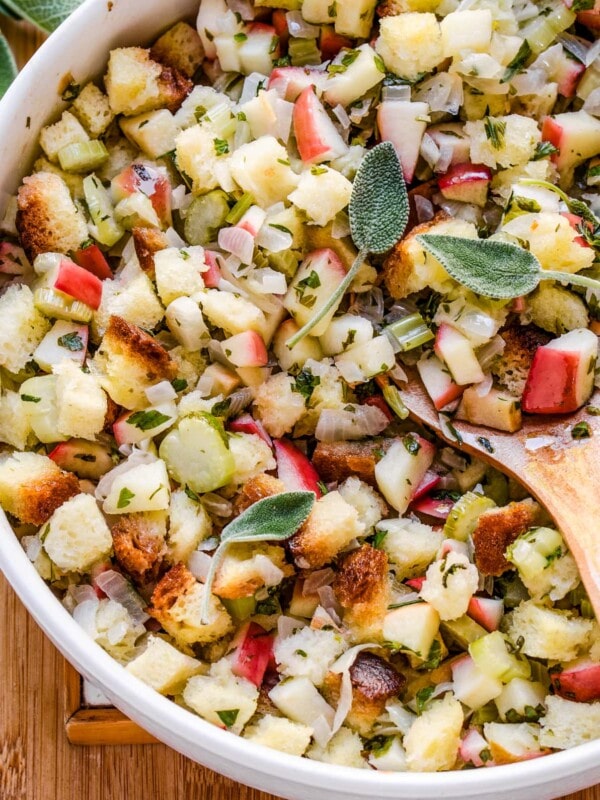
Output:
x=80 y=48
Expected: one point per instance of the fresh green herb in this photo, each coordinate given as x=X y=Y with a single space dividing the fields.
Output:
x=393 y=398
x=322 y=487
x=274 y=45
x=240 y=37
x=184 y=255
x=284 y=162
x=332 y=9
x=272 y=519
x=283 y=229
x=518 y=62
x=125 y=498
x=285 y=61
x=485 y=443
x=379 y=63
x=450 y=571
x=228 y=717
x=209 y=35
x=543 y=150
x=29 y=398
x=379 y=212
x=221 y=409
x=308 y=300
x=200 y=113
x=520 y=205
x=179 y=384
x=434 y=657
x=315 y=170
x=146 y=420
x=378 y=539
x=422 y=698
x=241 y=117
x=192 y=495
x=71 y=92
x=411 y=444
x=494 y=131
x=485 y=755
x=347 y=60
x=379 y=745
x=553 y=556
x=221 y=146
x=306 y=383
x=582 y=5
x=594 y=411
x=301 y=653
x=581 y=431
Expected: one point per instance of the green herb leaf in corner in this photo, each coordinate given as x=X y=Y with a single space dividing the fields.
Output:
x=8 y=68
x=45 y=14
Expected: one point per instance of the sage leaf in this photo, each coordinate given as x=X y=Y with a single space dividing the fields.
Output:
x=272 y=519
x=499 y=270
x=379 y=206
x=45 y=14
x=8 y=68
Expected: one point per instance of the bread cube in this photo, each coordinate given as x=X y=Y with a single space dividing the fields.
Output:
x=552 y=240
x=226 y=702
x=498 y=528
x=180 y=47
x=466 y=30
x=139 y=544
x=256 y=489
x=277 y=405
x=503 y=141
x=111 y=627
x=322 y=193
x=32 y=486
x=548 y=632
x=72 y=179
x=93 y=110
x=163 y=667
x=362 y=587
x=410 y=545
x=368 y=503
x=391 y=8
x=243 y=570
x=197 y=157
x=262 y=168
x=344 y=749
x=23 y=327
x=410 y=43
x=189 y=524
x=67 y=130
x=231 y=312
x=130 y=296
x=178 y=272
x=568 y=724
x=15 y=428
x=82 y=403
x=154 y=132
x=433 y=739
x=449 y=585
x=556 y=309
x=78 y=535
x=511 y=367
x=252 y=456
x=280 y=734
x=308 y=653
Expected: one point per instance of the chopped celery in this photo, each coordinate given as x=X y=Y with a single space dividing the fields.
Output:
x=393 y=398
x=410 y=332
x=543 y=30
x=461 y=632
x=463 y=517
x=241 y=608
x=82 y=156
x=108 y=231
x=223 y=121
x=205 y=216
x=285 y=261
x=534 y=551
x=240 y=208
x=303 y=52
x=57 y=305
x=487 y=713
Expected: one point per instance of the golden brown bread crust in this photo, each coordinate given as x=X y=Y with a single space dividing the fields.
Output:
x=389 y=8
x=397 y=267
x=177 y=581
x=336 y=461
x=132 y=342
x=362 y=588
x=148 y=241
x=36 y=502
x=174 y=87
x=139 y=547
x=256 y=489
x=512 y=366
x=180 y=47
x=497 y=529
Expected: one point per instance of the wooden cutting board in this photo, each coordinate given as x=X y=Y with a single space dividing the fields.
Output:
x=36 y=760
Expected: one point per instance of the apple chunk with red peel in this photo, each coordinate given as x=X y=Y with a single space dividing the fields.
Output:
x=290 y=82
x=578 y=681
x=77 y=282
x=402 y=468
x=496 y=409
x=247 y=424
x=318 y=277
x=294 y=469
x=456 y=351
x=451 y=136
x=246 y=349
x=467 y=183
x=403 y=124
x=576 y=134
x=487 y=611
x=438 y=381
x=253 y=654
x=317 y=137
x=567 y=75
x=561 y=376
x=88 y=460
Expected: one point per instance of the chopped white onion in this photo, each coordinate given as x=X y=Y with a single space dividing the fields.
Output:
x=341 y=424
x=344 y=703
x=287 y=626
x=532 y=81
x=237 y=241
x=483 y=388
x=244 y=8
x=82 y=593
x=321 y=731
x=400 y=716
x=340 y=227
x=118 y=589
x=323 y=619
x=252 y=84
x=174 y=238
x=451 y=459
x=592 y=102
x=205 y=385
x=400 y=92
x=178 y=195
x=84 y=615
x=592 y=53
x=429 y=150
x=442 y=688
x=136 y=458
x=299 y=28
x=345 y=661
x=424 y=208
x=407 y=599
x=161 y=392
x=445 y=158
x=32 y=546
x=208 y=545
x=398 y=374
x=199 y=564
x=443 y=92
x=317 y=579
x=274 y=239
x=489 y=352
x=342 y=116
x=268 y=571
x=329 y=602
x=129 y=251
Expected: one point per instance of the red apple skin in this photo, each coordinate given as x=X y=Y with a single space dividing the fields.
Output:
x=86 y=459
x=247 y=424
x=92 y=259
x=552 y=132
x=415 y=583
x=77 y=282
x=440 y=509
x=568 y=77
x=294 y=469
x=279 y=20
x=487 y=611
x=551 y=383
x=290 y=82
x=212 y=276
x=466 y=182
x=253 y=351
x=579 y=682
x=575 y=222
x=254 y=654
x=428 y=484
x=589 y=18
x=149 y=181
x=331 y=42
x=316 y=135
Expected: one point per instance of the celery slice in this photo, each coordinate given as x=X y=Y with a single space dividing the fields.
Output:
x=222 y=119
x=57 y=305
x=462 y=520
x=285 y=262
x=82 y=156
x=491 y=655
x=543 y=30
x=108 y=231
x=205 y=216
x=240 y=208
x=303 y=52
x=410 y=332
x=241 y=608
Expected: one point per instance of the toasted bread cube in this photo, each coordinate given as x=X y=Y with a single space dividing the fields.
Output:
x=411 y=546
x=198 y=158
x=189 y=524
x=308 y=653
x=511 y=367
x=23 y=327
x=503 y=141
x=180 y=47
x=242 y=571
x=252 y=456
x=178 y=272
x=163 y=667
x=497 y=529
x=410 y=43
x=148 y=242
x=449 y=585
x=344 y=749
x=333 y=523
x=277 y=405
x=32 y=486
x=362 y=587
x=78 y=535
x=15 y=428
x=111 y=627
x=47 y=219
x=72 y=179
x=370 y=505
x=280 y=734
x=256 y=489
x=548 y=632
x=322 y=194
x=228 y=702
x=93 y=109
x=177 y=604
x=262 y=168
x=568 y=724
x=132 y=361
x=231 y=312
x=131 y=296
x=433 y=739
x=67 y=130
x=82 y=403
x=336 y=461
x=139 y=544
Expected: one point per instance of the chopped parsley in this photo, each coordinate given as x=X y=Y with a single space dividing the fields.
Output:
x=494 y=131
x=146 y=420
x=347 y=60
x=518 y=62
x=581 y=431
x=71 y=92
x=29 y=398
x=422 y=698
x=71 y=341
x=228 y=717
x=378 y=539
x=240 y=37
x=179 y=384
x=125 y=498
x=411 y=444
x=543 y=150
x=221 y=409
x=306 y=383
x=221 y=146
x=486 y=444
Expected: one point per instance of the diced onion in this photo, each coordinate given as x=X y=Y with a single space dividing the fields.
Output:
x=84 y=615
x=451 y=459
x=284 y=112
x=342 y=116
x=341 y=424
x=490 y=351
x=537 y=442
x=532 y=81
x=443 y=92
x=174 y=238
x=286 y=626
x=407 y=599
x=32 y=546
x=321 y=731
x=322 y=619
x=344 y=703
x=268 y=571
x=118 y=589
x=317 y=579
x=424 y=208
x=329 y=603
x=299 y=28
x=592 y=53
x=178 y=195
x=237 y=241
x=136 y=458
x=592 y=102
x=444 y=158
x=370 y=305
x=199 y=564
x=244 y=8
x=217 y=505
x=483 y=388
x=208 y=545
x=400 y=716
x=340 y=227
x=398 y=374
x=251 y=86
x=82 y=593
x=161 y=392
x=441 y=688
x=274 y=239
x=429 y=150
x=401 y=92
x=345 y=661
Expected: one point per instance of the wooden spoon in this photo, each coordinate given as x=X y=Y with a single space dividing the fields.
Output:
x=561 y=472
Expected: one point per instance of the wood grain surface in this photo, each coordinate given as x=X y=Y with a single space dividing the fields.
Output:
x=36 y=760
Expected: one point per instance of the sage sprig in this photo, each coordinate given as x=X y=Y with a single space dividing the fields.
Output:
x=379 y=210
x=45 y=14
x=8 y=68
x=495 y=269
x=273 y=519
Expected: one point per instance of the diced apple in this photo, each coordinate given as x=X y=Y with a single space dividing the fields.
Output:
x=579 y=680
x=452 y=136
x=212 y=275
x=402 y=469
x=354 y=17
x=330 y=42
x=456 y=351
x=576 y=134
x=92 y=259
x=561 y=377
x=290 y=82
x=438 y=381
x=496 y=409
x=432 y=507
x=294 y=469
x=347 y=83
x=260 y=48
x=65 y=340
x=363 y=361
x=317 y=137
x=487 y=611
x=467 y=183
x=253 y=654
x=520 y=698
x=412 y=628
x=252 y=221
x=317 y=278
x=136 y=426
x=246 y=349
x=510 y=743
x=217 y=379
x=428 y=484
x=472 y=747
x=186 y=323
x=403 y=124
x=344 y=332
x=567 y=74
x=294 y=359
x=211 y=11
x=75 y=281
x=471 y=685
x=142 y=488
x=40 y=406
x=148 y=180
x=88 y=460
x=303 y=605
x=247 y=424
x=299 y=700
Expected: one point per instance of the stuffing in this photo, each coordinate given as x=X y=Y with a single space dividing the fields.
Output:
x=153 y=132
x=163 y=667
x=178 y=272
x=322 y=193
x=497 y=409
x=93 y=109
x=409 y=268
x=552 y=240
x=181 y=48
x=337 y=461
x=369 y=504
x=32 y=486
x=498 y=528
x=410 y=43
x=82 y=403
x=231 y=312
x=189 y=524
x=511 y=367
x=556 y=309
x=23 y=327
x=226 y=701
x=362 y=588
x=256 y=489
x=503 y=141
x=331 y=526
x=190 y=366
x=252 y=456
x=281 y=734
x=568 y=724
x=147 y=242
x=410 y=545
x=111 y=627
x=47 y=219
x=66 y=131
x=139 y=544
x=277 y=405
x=308 y=653
x=131 y=296
x=77 y=535
x=248 y=567
x=262 y=168
x=198 y=158
x=132 y=361
x=545 y=566
x=176 y=604
x=72 y=179
x=433 y=739
x=344 y=749
x=548 y=632
x=14 y=423
x=449 y=585
x=200 y=98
